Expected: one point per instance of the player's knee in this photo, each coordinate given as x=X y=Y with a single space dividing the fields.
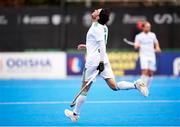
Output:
x=112 y=84
x=86 y=90
x=84 y=93
x=114 y=88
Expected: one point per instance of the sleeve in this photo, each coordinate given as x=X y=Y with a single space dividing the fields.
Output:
x=155 y=38
x=137 y=40
x=100 y=38
x=102 y=50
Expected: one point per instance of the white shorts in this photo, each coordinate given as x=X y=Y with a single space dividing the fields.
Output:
x=148 y=63
x=90 y=70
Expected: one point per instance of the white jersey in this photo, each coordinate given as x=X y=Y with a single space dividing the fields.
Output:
x=97 y=33
x=146 y=41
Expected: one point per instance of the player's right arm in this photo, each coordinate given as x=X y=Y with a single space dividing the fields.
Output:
x=137 y=42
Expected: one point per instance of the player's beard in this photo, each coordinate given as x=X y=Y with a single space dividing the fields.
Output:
x=146 y=31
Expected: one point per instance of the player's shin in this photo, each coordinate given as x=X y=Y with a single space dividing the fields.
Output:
x=124 y=85
x=146 y=79
x=80 y=100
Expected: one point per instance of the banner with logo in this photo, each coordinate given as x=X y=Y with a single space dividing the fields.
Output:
x=75 y=64
x=36 y=65
x=124 y=63
x=31 y=27
x=127 y=63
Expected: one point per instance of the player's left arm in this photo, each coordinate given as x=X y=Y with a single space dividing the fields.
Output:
x=100 y=38
x=102 y=54
x=157 y=45
x=102 y=50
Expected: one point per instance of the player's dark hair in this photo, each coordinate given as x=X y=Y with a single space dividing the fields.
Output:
x=104 y=16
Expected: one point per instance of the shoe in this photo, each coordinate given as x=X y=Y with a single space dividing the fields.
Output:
x=141 y=86
x=71 y=115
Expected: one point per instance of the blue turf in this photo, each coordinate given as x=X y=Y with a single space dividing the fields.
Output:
x=106 y=114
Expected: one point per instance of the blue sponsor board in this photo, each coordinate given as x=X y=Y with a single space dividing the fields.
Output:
x=75 y=64
x=167 y=63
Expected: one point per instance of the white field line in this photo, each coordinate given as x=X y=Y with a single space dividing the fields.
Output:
x=92 y=126
x=89 y=102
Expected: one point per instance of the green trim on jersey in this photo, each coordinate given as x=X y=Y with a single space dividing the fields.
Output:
x=105 y=34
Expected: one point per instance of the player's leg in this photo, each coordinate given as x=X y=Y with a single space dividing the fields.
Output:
x=108 y=75
x=148 y=70
x=81 y=99
x=122 y=85
x=87 y=74
x=151 y=73
x=74 y=115
x=150 y=77
x=152 y=66
x=145 y=76
x=144 y=64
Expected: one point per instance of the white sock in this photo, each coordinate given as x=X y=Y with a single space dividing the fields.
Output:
x=80 y=100
x=124 y=85
x=146 y=79
x=149 y=82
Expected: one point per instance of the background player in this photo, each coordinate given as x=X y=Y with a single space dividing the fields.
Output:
x=147 y=44
x=97 y=59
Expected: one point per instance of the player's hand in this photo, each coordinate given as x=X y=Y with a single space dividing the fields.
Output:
x=157 y=50
x=137 y=46
x=81 y=46
x=100 y=67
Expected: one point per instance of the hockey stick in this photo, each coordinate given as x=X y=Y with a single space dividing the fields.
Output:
x=128 y=42
x=87 y=84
